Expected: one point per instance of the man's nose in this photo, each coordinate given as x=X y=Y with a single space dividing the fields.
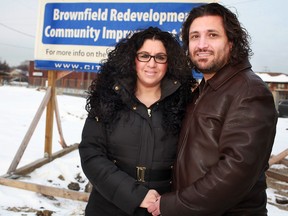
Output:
x=203 y=42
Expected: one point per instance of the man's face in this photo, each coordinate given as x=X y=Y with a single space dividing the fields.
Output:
x=209 y=48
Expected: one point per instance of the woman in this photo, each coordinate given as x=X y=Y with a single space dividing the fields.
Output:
x=135 y=108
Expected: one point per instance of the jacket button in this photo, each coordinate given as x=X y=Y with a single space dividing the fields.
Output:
x=116 y=88
x=134 y=108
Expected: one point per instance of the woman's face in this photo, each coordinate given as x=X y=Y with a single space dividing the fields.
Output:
x=151 y=70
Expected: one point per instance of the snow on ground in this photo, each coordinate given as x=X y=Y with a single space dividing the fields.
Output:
x=17 y=110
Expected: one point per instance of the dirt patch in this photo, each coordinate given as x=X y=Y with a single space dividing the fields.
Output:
x=280 y=188
x=30 y=210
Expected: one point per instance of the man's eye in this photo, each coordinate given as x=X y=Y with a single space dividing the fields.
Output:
x=193 y=37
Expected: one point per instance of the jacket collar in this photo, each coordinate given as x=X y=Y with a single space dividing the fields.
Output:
x=124 y=87
x=168 y=87
x=227 y=72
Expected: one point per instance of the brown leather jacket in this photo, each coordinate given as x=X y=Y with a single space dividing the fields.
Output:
x=224 y=147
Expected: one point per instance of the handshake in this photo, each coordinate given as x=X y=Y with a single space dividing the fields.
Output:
x=152 y=202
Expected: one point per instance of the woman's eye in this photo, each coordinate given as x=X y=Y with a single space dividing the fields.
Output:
x=144 y=56
x=160 y=57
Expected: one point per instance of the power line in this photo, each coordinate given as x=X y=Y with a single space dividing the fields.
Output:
x=15 y=30
x=23 y=4
x=11 y=45
x=241 y=2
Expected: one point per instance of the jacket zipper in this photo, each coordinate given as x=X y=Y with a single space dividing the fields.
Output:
x=149 y=112
x=180 y=153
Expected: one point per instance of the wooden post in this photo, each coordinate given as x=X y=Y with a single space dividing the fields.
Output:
x=47 y=190
x=275 y=159
x=52 y=76
x=60 y=74
x=30 y=132
x=28 y=168
x=58 y=121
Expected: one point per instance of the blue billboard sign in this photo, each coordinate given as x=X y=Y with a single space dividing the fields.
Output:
x=77 y=35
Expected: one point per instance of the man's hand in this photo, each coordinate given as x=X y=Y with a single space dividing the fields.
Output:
x=154 y=208
x=150 y=198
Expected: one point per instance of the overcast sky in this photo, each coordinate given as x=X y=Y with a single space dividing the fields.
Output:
x=265 y=20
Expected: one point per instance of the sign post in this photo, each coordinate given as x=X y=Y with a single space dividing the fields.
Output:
x=50 y=114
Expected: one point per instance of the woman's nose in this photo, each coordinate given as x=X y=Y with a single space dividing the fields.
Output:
x=152 y=62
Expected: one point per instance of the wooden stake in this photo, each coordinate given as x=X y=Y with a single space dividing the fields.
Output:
x=58 y=121
x=30 y=132
x=50 y=191
x=42 y=161
x=276 y=175
x=277 y=158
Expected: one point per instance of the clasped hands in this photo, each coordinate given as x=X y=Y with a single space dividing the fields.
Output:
x=152 y=202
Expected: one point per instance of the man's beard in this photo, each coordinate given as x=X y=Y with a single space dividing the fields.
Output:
x=211 y=68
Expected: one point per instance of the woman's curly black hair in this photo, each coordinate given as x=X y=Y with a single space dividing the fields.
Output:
x=104 y=104
x=234 y=31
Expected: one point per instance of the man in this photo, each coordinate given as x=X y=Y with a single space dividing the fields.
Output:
x=229 y=129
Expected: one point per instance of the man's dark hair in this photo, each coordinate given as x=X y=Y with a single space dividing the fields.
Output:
x=234 y=31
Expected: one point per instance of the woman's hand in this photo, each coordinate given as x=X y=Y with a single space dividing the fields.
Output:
x=154 y=208
x=150 y=198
